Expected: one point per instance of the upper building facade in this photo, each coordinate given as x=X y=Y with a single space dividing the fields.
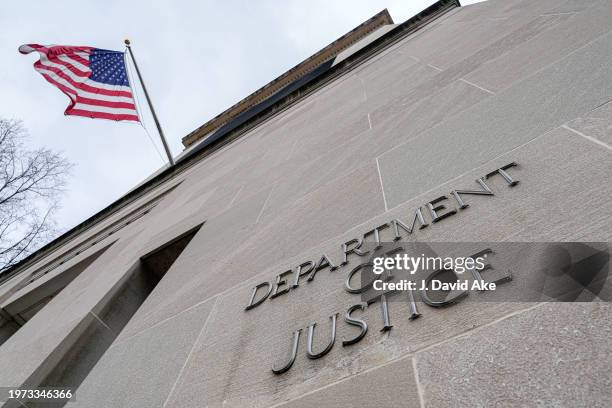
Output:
x=194 y=288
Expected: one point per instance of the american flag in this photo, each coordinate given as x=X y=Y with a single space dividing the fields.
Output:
x=95 y=80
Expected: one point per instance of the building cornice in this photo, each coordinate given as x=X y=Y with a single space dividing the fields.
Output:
x=304 y=67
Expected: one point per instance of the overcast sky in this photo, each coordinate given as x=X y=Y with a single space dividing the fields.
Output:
x=197 y=58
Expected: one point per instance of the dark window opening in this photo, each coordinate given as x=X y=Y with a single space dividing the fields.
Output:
x=102 y=327
x=116 y=226
x=15 y=314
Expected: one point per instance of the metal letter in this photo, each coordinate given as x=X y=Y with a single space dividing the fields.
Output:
x=385 y=312
x=501 y=171
x=309 y=353
x=347 y=283
x=476 y=273
x=355 y=250
x=384 y=307
x=435 y=217
x=485 y=191
x=255 y=289
x=299 y=273
x=324 y=262
x=434 y=303
x=294 y=348
x=414 y=312
x=355 y=322
x=280 y=281
x=418 y=215
x=376 y=232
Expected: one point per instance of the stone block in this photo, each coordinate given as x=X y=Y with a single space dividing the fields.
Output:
x=554 y=355
x=140 y=371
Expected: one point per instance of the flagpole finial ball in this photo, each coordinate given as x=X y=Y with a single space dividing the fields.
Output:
x=127 y=42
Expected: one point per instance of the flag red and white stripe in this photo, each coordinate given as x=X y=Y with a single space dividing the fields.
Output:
x=95 y=80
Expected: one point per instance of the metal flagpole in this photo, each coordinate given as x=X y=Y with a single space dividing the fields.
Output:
x=144 y=88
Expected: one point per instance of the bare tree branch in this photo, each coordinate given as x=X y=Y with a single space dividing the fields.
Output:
x=31 y=183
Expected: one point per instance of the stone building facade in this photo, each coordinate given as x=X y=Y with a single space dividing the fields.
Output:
x=143 y=305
